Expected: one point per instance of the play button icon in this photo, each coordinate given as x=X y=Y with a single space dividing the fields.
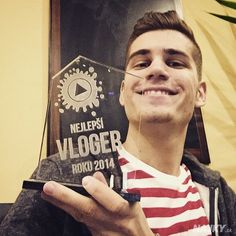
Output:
x=79 y=90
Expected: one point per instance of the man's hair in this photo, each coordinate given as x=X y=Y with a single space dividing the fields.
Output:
x=166 y=21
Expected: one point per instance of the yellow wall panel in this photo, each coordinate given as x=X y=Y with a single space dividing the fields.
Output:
x=23 y=90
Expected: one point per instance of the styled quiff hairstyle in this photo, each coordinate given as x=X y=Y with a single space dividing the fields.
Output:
x=166 y=21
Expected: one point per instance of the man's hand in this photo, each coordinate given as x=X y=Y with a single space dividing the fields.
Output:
x=105 y=213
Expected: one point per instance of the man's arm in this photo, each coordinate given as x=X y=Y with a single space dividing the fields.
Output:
x=106 y=213
x=227 y=207
x=30 y=215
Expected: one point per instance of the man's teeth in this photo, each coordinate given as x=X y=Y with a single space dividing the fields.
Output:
x=156 y=92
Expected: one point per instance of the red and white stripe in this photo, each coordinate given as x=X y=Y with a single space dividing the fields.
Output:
x=171 y=204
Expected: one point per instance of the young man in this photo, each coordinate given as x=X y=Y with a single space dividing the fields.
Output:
x=179 y=196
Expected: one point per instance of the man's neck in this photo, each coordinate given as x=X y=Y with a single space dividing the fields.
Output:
x=158 y=146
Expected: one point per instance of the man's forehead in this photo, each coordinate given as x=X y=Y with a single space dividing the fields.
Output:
x=169 y=41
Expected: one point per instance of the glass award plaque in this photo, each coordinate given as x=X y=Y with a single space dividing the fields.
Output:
x=90 y=124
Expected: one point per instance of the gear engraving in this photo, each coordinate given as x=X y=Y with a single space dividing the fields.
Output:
x=79 y=90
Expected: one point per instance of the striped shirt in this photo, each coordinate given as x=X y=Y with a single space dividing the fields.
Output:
x=171 y=204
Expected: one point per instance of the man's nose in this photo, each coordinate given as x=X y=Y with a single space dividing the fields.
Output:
x=157 y=70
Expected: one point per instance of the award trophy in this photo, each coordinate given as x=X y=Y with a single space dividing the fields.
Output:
x=91 y=126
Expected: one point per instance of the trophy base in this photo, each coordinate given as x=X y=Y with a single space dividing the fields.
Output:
x=34 y=184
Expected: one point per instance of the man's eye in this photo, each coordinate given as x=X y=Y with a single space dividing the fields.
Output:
x=141 y=65
x=176 y=64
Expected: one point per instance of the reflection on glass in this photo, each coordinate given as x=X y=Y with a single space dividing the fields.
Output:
x=91 y=125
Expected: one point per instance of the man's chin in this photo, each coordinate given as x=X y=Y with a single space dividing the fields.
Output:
x=156 y=118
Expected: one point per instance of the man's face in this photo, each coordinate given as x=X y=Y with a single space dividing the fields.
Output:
x=168 y=88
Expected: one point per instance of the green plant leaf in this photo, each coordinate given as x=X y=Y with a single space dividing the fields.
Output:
x=229 y=4
x=226 y=18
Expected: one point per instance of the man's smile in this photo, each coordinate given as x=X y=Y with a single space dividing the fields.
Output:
x=157 y=91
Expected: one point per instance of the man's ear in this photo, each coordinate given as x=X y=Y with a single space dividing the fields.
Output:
x=201 y=95
x=121 y=98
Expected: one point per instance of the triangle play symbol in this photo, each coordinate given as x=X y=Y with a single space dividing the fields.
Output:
x=79 y=89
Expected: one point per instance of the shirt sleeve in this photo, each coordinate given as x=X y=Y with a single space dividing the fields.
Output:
x=31 y=215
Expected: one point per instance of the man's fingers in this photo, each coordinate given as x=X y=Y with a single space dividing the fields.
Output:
x=73 y=203
x=98 y=175
x=80 y=206
x=61 y=193
x=105 y=211
x=108 y=198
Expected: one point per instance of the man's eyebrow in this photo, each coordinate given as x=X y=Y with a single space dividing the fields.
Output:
x=142 y=52
x=172 y=51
